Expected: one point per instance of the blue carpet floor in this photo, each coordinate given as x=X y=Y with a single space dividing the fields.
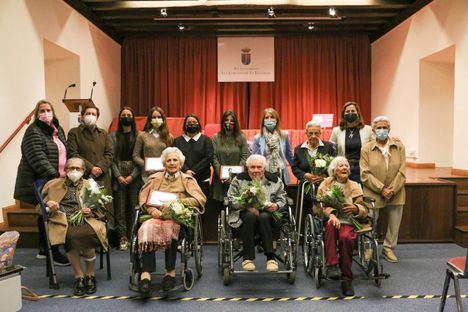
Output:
x=421 y=271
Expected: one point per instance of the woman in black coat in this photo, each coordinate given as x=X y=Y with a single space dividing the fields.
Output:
x=43 y=156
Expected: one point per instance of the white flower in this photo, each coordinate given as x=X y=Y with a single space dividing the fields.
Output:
x=320 y=163
x=253 y=190
x=177 y=208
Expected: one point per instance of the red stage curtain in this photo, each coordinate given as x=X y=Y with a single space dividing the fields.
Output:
x=313 y=74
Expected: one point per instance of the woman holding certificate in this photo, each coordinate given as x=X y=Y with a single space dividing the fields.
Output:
x=165 y=197
x=150 y=143
x=230 y=154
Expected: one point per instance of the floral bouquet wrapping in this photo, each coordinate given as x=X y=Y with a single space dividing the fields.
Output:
x=94 y=197
x=319 y=163
x=8 y=242
x=252 y=195
x=319 y=167
x=335 y=198
x=155 y=234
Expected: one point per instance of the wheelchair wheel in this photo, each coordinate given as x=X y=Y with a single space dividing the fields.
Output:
x=378 y=268
x=221 y=237
x=317 y=256
x=318 y=277
x=187 y=279
x=292 y=278
x=198 y=246
x=227 y=276
x=134 y=267
x=307 y=244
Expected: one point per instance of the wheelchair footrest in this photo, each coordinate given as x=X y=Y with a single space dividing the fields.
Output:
x=381 y=276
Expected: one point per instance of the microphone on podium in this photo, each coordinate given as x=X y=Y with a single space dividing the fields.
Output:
x=70 y=86
x=91 y=96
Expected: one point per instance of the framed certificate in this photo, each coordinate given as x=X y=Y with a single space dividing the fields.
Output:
x=226 y=171
x=157 y=198
x=153 y=164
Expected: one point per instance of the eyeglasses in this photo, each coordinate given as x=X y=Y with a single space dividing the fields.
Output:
x=75 y=168
x=309 y=134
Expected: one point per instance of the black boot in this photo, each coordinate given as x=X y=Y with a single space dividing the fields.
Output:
x=90 y=284
x=79 y=287
x=59 y=258
x=333 y=272
x=168 y=282
x=347 y=288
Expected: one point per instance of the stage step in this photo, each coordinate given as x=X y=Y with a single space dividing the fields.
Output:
x=462 y=198
x=22 y=217
x=29 y=236
x=462 y=215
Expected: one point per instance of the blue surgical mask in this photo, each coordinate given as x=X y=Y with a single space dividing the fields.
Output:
x=382 y=134
x=270 y=124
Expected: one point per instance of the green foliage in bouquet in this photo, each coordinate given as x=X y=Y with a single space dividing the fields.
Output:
x=335 y=198
x=252 y=195
x=176 y=212
x=94 y=197
x=319 y=166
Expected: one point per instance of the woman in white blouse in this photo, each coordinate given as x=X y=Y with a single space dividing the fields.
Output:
x=350 y=136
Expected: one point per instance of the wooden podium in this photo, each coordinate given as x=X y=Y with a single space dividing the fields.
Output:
x=74 y=105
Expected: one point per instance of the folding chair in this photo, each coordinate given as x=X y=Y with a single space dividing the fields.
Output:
x=457 y=269
x=50 y=267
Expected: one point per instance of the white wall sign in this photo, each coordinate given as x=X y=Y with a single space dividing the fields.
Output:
x=325 y=120
x=246 y=59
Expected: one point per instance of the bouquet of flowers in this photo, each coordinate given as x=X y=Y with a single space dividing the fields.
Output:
x=335 y=198
x=177 y=212
x=180 y=214
x=319 y=166
x=94 y=197
x=319 y=163
x=252 y=195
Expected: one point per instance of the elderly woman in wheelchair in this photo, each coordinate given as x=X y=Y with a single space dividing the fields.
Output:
x=339 y=227
x=259 y=219
x=160 y=191
x=61 y=196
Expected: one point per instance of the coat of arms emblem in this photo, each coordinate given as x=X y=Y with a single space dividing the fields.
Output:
x=245 y=56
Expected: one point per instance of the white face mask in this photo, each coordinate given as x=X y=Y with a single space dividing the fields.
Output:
x=74 y=175
x=46 y=117
x=89 y=120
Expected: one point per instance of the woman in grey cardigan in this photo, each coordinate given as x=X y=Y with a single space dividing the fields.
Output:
x=126 y=182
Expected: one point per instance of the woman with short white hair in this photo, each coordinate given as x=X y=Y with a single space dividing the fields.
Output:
x=383 y=174
x=171 y=180
x=339 y=227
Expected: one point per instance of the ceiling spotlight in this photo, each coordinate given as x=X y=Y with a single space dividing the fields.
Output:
x=271 y=12
x=181 y=27
x=310 y=26
x=332 y=12
x=164 y=12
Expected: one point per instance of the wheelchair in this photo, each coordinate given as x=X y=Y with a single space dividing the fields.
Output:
x=190 y=244
x=313 y=249
x=229 y=253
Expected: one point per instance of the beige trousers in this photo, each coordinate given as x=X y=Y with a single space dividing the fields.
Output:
x=394 y=220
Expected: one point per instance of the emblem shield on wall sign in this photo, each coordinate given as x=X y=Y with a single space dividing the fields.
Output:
x=245 y=56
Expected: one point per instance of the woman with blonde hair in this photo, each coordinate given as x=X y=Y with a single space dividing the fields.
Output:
x=274 y=144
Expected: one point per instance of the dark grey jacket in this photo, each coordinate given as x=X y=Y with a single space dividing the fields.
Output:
x=274 y=191
x=39 y=158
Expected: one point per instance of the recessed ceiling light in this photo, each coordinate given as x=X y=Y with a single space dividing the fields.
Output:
x=332 y=12
x=164 y=12
x=181 y=27
x=310 y=26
